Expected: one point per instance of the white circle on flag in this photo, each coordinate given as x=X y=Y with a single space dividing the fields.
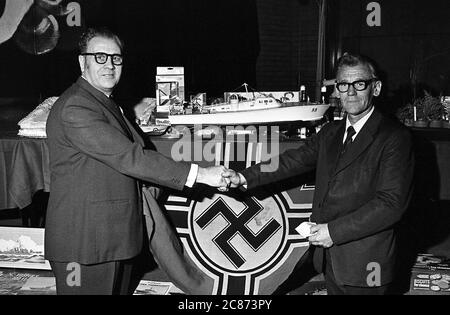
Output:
x=238 y=247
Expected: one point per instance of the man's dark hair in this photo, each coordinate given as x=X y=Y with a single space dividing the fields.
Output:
x=352 y=60
x=98 y=32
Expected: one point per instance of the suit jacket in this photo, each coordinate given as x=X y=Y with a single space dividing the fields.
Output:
x=361 y=195
x=94 y=213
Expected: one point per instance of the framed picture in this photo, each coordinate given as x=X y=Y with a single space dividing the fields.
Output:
x=22 y=248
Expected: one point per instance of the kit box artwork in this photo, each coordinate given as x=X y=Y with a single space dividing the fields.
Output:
x=430 y=275
x=169 y=85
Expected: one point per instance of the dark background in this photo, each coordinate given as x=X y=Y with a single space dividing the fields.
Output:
x=216 y=42
x=270 y=44
x=414 y=37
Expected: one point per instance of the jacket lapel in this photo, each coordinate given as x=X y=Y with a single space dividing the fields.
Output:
x=107 y=103
x=136 y=137
x=362 y=141
x=120 y=118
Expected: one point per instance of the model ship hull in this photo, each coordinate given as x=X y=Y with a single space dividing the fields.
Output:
x=282 y=114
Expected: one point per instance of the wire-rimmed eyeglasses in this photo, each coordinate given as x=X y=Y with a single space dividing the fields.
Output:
x=101 y=58
x=359 y=85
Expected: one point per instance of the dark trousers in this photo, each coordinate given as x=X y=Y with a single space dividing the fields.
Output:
x=110 y=278
x=333 y=288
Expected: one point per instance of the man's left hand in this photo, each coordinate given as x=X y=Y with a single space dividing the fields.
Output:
x=320 y=236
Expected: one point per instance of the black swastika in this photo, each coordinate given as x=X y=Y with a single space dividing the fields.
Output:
x=237 y=225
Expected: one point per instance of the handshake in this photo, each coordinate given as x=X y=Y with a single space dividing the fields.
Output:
x=220 y=177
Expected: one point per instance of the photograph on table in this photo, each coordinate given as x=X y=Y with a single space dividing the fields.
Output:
x=22 y=248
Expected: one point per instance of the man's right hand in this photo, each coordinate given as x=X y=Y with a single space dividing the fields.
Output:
x=235 y=179
x=213 y=176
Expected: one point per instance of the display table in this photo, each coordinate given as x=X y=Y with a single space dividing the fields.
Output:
x=24 y=170
x=263 y=246
x=42 y=282
x=24 y=165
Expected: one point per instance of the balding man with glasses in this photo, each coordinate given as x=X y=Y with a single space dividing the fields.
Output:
x=364 y=170
x=94 y=225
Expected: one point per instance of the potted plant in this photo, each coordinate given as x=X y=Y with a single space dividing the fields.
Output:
x=406 y=114
x=446 y=104
x=433 y=110
x=423 y=112
x=412 y=114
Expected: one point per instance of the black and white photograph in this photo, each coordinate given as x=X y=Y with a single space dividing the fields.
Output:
x=22 y=248
x=209 y=149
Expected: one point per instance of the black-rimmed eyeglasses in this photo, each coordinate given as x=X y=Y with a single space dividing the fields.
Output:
x=101 y=58
x=359 y=85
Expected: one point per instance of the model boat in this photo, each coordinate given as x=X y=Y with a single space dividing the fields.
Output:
x=249 y=108
x=283 y=113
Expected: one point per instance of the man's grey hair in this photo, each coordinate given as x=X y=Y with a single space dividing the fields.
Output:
x=352 y=60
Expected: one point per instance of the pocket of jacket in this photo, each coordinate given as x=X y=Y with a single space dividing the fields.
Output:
x=112 y=218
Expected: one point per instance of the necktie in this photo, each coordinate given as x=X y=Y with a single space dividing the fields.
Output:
x=348 y=140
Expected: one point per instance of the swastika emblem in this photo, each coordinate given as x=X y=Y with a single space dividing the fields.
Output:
x=238 y=236
x=245 y=243
x=237 y=225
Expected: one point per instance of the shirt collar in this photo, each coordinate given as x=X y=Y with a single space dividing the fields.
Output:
x=359 y=124
x=85 y=83
x=99 y=95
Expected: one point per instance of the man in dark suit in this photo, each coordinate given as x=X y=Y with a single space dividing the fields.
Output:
x=364 y=170
x=94 y=224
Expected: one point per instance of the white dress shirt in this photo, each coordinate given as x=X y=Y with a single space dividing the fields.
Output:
x=357 y=126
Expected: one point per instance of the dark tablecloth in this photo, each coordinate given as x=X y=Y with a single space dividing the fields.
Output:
x=24 y=165
x=24 y=170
